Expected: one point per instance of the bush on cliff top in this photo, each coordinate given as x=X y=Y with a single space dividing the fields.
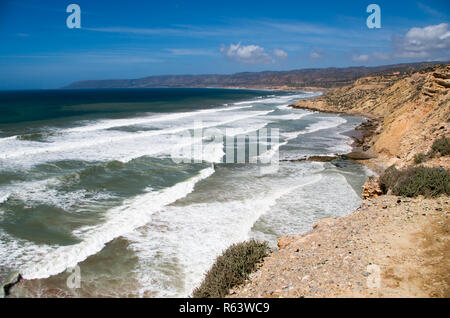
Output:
x=231 y=269
x=419 y=158
x=414 y=181
x=442 y=146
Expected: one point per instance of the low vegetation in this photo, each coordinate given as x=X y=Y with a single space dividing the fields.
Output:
x=232 y=268
x=415 y=181
x=441 y=146
x=420 y=157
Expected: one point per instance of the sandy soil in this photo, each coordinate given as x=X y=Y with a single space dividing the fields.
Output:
x=390 y=247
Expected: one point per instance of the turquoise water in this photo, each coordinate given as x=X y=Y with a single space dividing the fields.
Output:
x=88 y=179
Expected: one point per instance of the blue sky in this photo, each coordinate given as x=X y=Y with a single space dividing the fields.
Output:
x=132 y=39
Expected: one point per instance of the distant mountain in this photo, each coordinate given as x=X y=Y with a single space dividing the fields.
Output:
x=319 y=77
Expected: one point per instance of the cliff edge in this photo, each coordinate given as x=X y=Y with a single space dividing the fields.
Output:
x=391 y=246
x=411 y=111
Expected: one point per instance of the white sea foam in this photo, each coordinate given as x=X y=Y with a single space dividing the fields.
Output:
x=323 y=124
x=284 y=107
x=277 y=99
x=15 y=252
x=216 y=225
x=209 y=150
x=182 y=152
x=345 y=146
x=297 y=213
x=70 y=148
x=8 y=138
x=45 y=192
x=120 y=221
x=193 y=234
x=4 y=197
x=291 y=116
x=114 y=123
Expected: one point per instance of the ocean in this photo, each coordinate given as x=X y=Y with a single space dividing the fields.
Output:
x=94 y=201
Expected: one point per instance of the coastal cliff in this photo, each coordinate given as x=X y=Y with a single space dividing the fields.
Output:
x=392 y=246
x=410 y=111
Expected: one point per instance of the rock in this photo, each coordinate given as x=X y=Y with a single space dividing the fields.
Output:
x=371 y=189
x=359 y=155
x=307 y=277
x=9 y=282
x=324 y=222
x=444 y=83
x=284 y=241
x=315 y=159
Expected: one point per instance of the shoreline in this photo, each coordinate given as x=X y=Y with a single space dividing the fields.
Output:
x=334 y=258
x=16 y=276
x=390 y=246
x=360 y=136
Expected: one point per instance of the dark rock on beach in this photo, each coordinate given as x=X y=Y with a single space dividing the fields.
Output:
x=314 y=158
x=13 y=279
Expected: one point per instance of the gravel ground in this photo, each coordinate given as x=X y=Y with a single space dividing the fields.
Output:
x=389 y=247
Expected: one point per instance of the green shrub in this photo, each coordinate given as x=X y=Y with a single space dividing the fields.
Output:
x=442 y=146
x=389 y=178
x=231 y=269
x=411 y=182
x=419 y=158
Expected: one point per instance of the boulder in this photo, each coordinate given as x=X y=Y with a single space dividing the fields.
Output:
x=285 y=241
x=359 y=155
x=324 y=222
x=8 y=283
x=371 y=189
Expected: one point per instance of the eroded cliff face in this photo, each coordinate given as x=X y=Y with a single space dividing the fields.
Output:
x=413 y=110
x=401 y=244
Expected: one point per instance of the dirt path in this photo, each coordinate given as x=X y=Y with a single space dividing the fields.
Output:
x=390 y=247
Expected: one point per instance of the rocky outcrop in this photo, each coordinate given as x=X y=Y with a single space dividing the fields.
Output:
x=411 y=111
x=371 y=189
x=390 y=246
x=13 y=279
x=314 y=158
x=284 y=241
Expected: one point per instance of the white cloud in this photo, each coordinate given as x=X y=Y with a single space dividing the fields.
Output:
x=183 y=31
x=198 y=52
x=424 y=43
x=315 y=55
x=381 y=56
x=363 y=58
x=250 y=54
x=280 y=54
x=429 y=10
x=375 y=56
